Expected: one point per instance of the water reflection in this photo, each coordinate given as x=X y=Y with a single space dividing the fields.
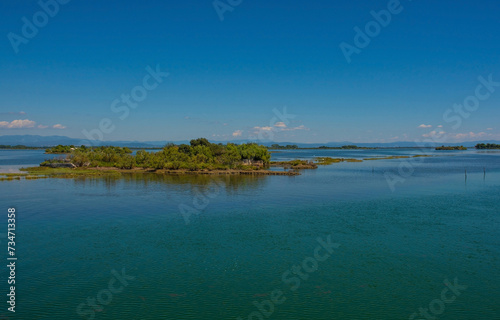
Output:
x=231 y=183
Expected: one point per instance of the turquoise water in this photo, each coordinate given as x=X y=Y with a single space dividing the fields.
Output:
x=12 y=160
x=201 y=247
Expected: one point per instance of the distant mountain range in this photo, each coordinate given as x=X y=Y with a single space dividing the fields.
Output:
x=48 y=141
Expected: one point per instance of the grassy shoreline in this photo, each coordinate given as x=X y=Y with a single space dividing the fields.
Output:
x=46 y=172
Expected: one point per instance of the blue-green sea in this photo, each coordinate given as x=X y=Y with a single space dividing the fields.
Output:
x=415 y=238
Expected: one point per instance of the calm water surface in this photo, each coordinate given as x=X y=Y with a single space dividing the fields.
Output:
x=201 y=247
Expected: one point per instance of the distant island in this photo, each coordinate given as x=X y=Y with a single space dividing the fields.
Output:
x=287 y=147
x=18 y=147
x=348 y=147
x=294 y=146
x=487 y=146
x=451 y=148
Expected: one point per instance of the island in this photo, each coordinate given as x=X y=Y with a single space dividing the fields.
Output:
x=18 y=147
x=347 y=147
x=287 y=147
x=451 y=148
x=295 y=147
x=198 y=157
x=487 y=146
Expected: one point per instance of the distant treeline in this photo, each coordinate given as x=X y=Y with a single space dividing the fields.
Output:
x=278 y=147
x=60 y=149
x=294 y=146
x=200 y=154
x=451 y=148
x=19 y=147
x=344 y=147
x=487 y=146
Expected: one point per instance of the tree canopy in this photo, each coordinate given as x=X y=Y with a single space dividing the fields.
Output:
x=487 y=146
x=200 y=154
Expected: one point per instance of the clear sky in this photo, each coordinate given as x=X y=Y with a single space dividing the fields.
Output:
x=225 y=77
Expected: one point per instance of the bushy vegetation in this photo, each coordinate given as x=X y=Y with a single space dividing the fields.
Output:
x=106 y=156
x=295 y=164
x=329 y=160
x=389 y=158
x=487 y=146
x=60 y=149
x=451 y=148
x=200 y=154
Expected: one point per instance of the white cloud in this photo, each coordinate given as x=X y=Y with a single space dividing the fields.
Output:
x=277 y=128
x=489 y=129
x=11 y=113
x=263 y=128
x=440 y=126
x=17 y=124
x=466 y=136
x=430 y=134
x=470 y=135
x=433 y=133
x=26 y=123
x=301 y=127
x=237 y=133
x=424 y=126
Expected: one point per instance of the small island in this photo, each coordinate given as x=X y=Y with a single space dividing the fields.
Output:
x=487 y=146
x=451 y=148
x=295 y=147
x=346 y=147
x=287 y=147
x=198 y=157
x=18 y=147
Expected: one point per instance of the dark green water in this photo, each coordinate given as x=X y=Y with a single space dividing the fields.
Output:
x=235 y=240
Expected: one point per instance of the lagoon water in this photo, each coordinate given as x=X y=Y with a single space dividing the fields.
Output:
x=200 y=247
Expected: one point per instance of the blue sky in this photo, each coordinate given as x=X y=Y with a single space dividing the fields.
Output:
x=226 y=79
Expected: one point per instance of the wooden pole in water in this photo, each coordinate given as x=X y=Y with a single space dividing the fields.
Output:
x=465 y=175
x=484 y=176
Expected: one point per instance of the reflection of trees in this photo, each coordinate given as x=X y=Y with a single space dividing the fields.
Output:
x=195 y=182
x=108 y=181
